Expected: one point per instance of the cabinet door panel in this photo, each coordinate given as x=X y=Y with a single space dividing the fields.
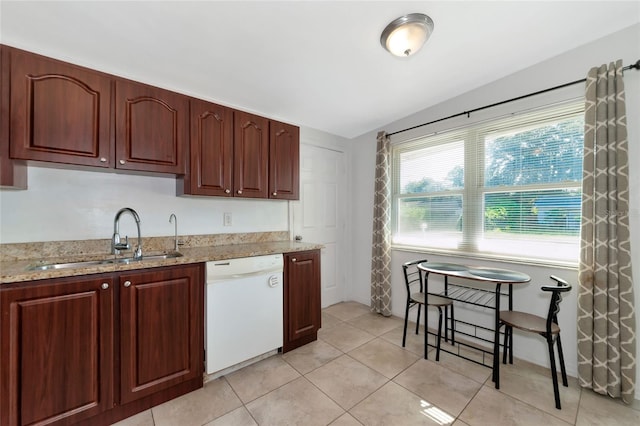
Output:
x=151 y=128
x=251 y=155
x=302 y=298
x=161 y=330
x=59 y=112
x=59 y=367
x=211 y=150
x=284 y=161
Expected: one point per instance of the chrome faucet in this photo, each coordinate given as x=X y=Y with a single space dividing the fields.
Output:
x=116 y=244
x=174 y=219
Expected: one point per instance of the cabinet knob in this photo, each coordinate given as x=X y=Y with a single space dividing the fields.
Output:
x=123 y=162
x=103 y=160
x=227 y=191
x=274 y=194
x=105 y=286
x=127 y=283
x=294 y=259
x=239 y=191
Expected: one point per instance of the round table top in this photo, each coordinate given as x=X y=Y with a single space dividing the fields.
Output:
x=479 y=273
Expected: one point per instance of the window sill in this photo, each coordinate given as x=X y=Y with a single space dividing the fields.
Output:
x=492 y=257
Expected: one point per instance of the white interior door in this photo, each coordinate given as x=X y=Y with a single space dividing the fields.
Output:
x=319 y=216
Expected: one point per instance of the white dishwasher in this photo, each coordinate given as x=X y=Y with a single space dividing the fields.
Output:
x=243 y=309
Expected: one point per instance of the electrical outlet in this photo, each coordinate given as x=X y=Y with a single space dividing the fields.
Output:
x=226 y=219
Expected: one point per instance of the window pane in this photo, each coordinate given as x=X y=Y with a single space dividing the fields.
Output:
x=430 y=221
x=546 y=153
x=433 y=169
x=547 y=222
x=532 y=212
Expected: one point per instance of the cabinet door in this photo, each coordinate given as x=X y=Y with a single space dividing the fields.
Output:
x=151 y=128
x=251 y=155
x=210 y=171
x=57 y=351
x=302 y=316
x=161 y=329
x=284 y=161
x=59 y=112
x=13 y=173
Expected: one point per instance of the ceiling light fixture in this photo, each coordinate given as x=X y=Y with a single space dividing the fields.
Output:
x=407 y=34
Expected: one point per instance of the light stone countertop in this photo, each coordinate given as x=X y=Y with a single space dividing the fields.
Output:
x=17 y=270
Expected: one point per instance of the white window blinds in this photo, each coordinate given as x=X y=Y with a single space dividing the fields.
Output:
x=509 y=188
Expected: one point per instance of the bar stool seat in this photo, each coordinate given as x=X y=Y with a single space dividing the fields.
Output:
x=527 y=322
x=434 y=300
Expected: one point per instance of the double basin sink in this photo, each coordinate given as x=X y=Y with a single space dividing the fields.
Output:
x=109 y=261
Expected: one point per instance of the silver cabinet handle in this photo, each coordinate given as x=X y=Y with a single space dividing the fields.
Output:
x=103 y=160
x=294 y=259
x=122 y=162
x=274 y=194
x=227 y=191
x=239 y=191
x=105 y=286
x=127 y=283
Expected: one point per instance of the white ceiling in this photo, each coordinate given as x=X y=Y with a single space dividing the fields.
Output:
x=312 y=63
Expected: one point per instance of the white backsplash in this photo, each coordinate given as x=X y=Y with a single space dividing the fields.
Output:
x=73 y=205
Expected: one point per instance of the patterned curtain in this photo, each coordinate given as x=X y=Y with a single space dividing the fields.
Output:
x=606 y=318
x=381 y=249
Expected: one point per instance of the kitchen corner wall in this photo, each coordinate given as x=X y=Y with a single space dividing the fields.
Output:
x=570 y=66
x=63 y=204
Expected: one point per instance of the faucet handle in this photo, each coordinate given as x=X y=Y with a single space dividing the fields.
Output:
x=122 y=246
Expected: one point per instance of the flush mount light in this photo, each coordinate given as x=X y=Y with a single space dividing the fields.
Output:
x=407 y=34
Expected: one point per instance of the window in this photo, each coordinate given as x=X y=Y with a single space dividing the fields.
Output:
x=509 y=188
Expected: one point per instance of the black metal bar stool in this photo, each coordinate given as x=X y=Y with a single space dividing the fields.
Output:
x=414 y=281
x=545 y=327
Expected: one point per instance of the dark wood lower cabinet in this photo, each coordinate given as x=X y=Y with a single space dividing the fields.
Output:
x=161 y=330
x=302 y=315
x=68 y=343
x=56 y=363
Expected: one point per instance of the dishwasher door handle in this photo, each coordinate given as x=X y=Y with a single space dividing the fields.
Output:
x=226 y=277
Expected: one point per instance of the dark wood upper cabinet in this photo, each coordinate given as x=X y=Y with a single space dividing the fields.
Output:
x=302 y=314
x=284 y=161
x=151 y=128
x=161 y=329
x=57 y=351
x=211 y=146
x=53 y=111
x=251 y=155
x=59 y=112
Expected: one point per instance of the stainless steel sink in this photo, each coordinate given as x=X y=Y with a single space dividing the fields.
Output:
x=67 y=265
x=110 y=261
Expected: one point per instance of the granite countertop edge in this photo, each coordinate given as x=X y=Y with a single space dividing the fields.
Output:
x=18 y=271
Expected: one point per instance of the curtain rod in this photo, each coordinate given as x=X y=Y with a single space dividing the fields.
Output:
x=468 y=113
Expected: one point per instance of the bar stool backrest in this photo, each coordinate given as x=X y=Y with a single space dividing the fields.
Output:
x=556 y=297
x=413 y=276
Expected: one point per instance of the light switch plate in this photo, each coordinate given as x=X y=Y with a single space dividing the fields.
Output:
x=226 y=219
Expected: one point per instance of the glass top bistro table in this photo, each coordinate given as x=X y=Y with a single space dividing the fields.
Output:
x=479 y=273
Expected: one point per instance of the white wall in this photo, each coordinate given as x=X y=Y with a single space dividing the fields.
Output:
x=79 y=204
x=571 y=66
x=73 y=205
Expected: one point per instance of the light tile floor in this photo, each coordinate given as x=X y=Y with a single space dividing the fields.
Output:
x=358 y=373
